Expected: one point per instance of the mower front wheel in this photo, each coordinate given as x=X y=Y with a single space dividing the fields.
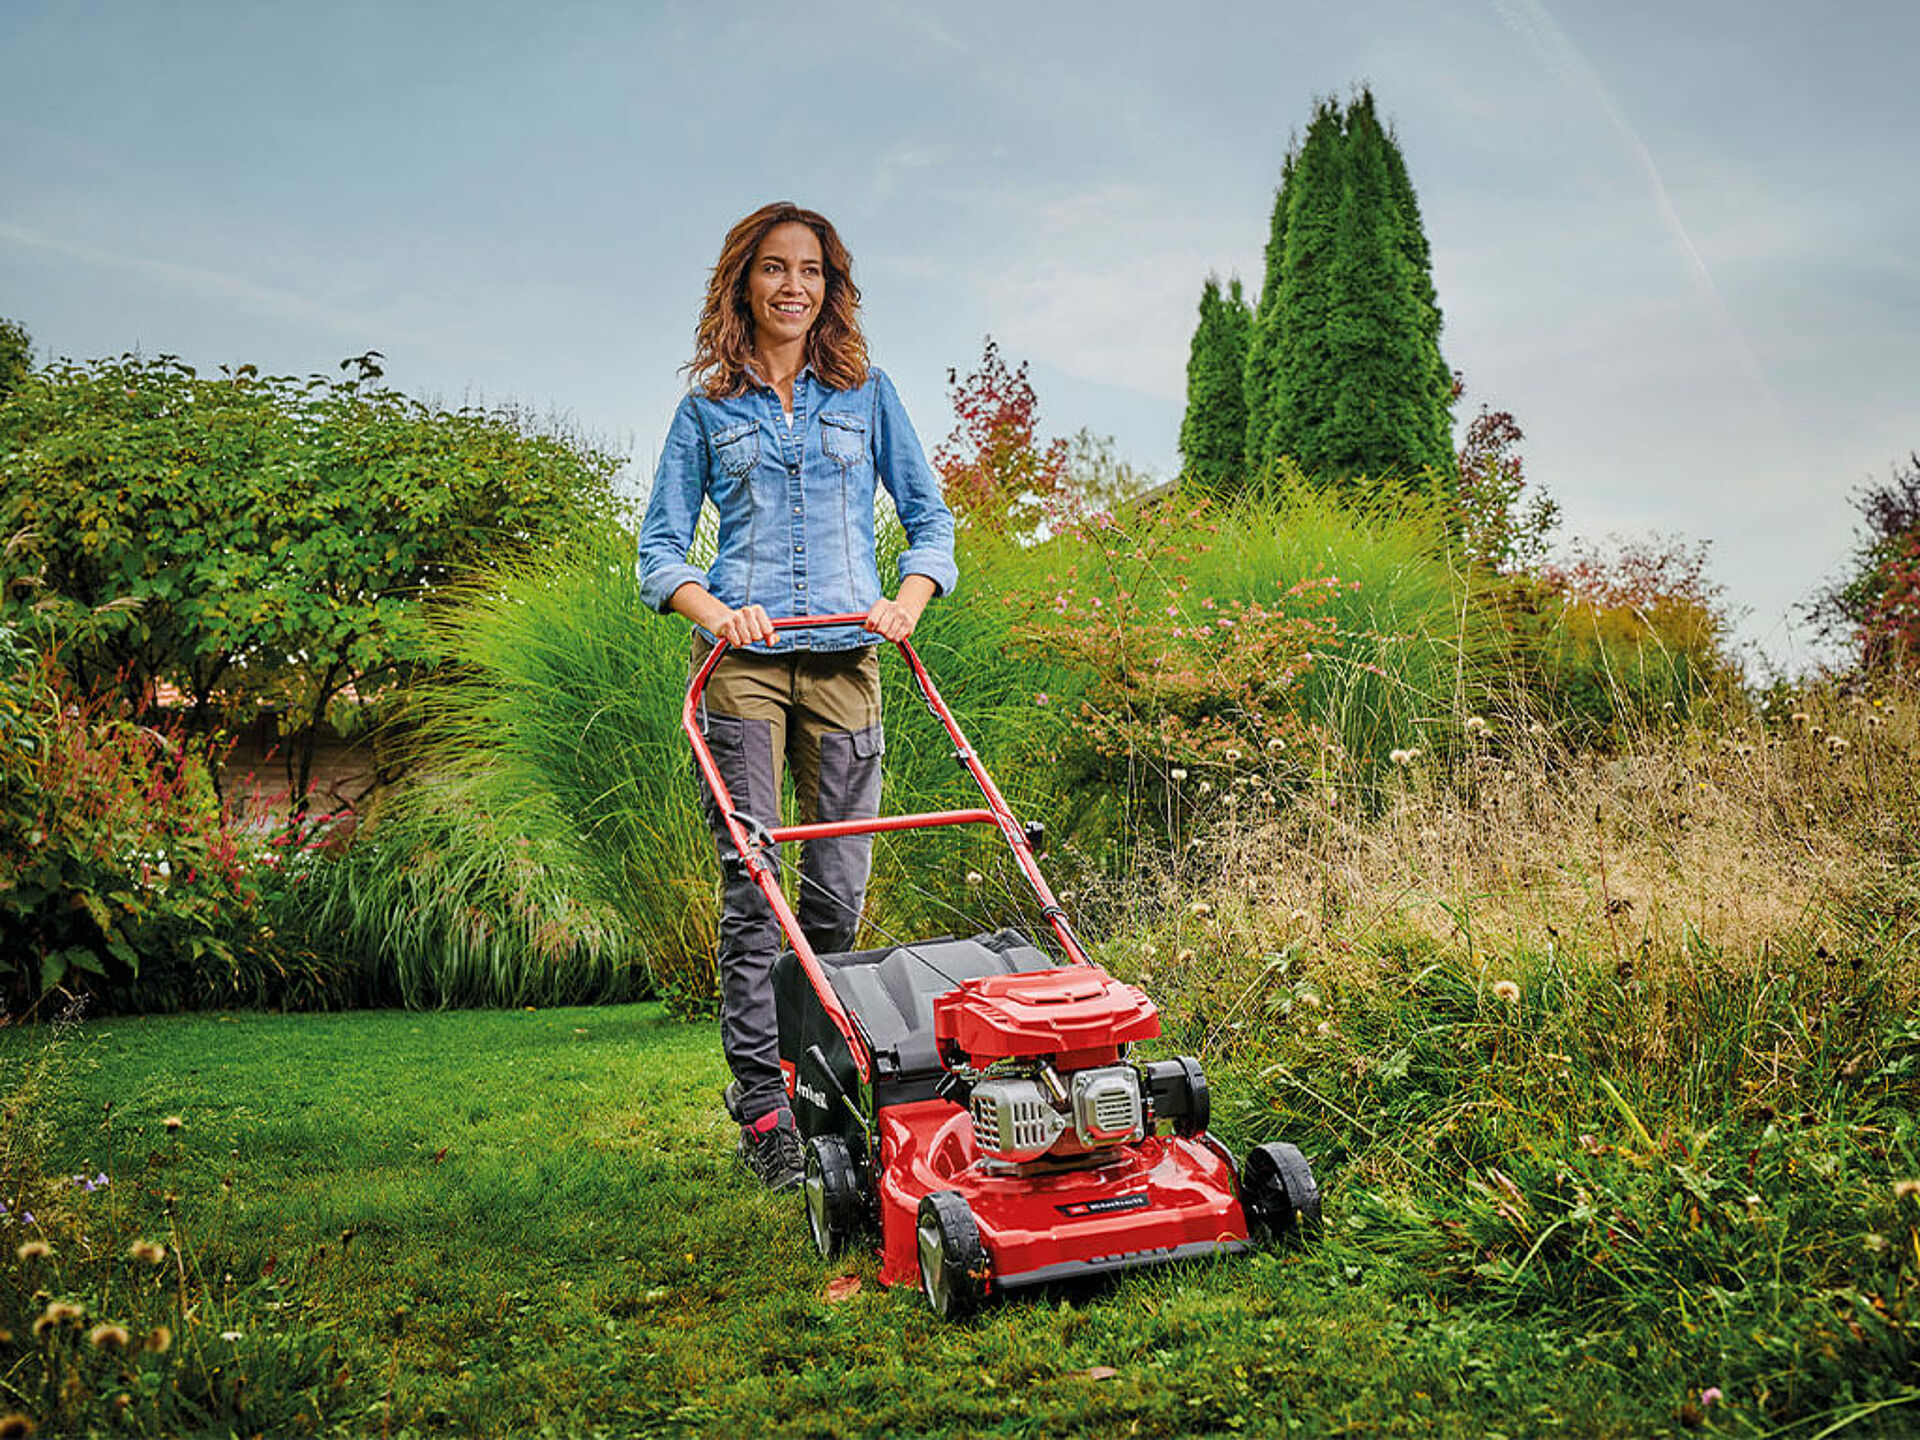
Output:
x=831 y=1186
x=1279 y=1193
x=956 y=1273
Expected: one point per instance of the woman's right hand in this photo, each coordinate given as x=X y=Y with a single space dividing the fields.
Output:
x=746 y=625
x=737 y=627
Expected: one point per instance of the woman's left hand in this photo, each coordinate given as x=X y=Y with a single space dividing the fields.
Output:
x=890 y=620
x=895 y=619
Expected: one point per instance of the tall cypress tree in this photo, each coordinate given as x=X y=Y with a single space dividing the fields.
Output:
x=1300 y=402
x=1377 y=327
x=1344 y=371
x=1437 y=407
x=1213 y=434
x=1263 y=338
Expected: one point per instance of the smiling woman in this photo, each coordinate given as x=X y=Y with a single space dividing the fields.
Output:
x=788 y=431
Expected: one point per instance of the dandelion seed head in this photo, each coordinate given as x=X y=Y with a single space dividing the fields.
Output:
x=974 y=877
x=173 y=1123
x=1475 y=725
x=1183 y=957
x=147 y=1252
x=1200 y=908
x=159 y=1340
x=1906 y=1189
x=108 y=1337
x=1177 y=774
x=1507 y=991
x=34 y=1250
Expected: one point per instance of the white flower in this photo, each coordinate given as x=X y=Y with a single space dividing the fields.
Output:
x=1177 y=774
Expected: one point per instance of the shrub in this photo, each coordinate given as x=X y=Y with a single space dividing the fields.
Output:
x=259 y=539
x=438 y=904
x=1607 y=638
x=1286 y=631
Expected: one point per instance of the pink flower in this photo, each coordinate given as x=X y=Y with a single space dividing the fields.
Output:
x=1711 y=1395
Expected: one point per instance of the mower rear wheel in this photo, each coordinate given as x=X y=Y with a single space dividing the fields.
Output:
x=1278 y=1192
x=831 y=1186
x=956 y=1273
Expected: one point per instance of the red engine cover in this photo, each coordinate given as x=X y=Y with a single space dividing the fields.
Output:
x=1079 y=1011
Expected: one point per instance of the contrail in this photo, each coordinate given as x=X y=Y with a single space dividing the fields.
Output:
x=231 y=288
x=1562 y=58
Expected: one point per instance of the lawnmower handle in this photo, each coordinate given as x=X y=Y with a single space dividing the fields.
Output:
x=749 y=836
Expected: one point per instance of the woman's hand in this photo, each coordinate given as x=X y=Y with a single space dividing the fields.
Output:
x=895 y=619
x=746 y=625
x=737 y=627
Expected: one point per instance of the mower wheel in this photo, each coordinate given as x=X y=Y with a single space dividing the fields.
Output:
x=831 y=1186
x=1278 y=1192
x=955 y=1270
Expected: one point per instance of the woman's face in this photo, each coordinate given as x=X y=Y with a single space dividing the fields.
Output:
x=786 y=284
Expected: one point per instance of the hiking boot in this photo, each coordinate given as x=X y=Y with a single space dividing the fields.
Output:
x=770 y=1149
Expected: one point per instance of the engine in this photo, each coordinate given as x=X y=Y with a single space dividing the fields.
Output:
x=1043 y=1055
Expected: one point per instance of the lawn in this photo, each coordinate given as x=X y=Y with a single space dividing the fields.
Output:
x=530 y=1223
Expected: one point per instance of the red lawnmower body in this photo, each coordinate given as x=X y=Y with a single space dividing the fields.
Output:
x=882 y=1049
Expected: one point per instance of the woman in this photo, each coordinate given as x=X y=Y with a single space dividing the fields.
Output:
x=787 y=429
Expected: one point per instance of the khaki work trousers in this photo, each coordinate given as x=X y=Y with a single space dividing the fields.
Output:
x=818 y=711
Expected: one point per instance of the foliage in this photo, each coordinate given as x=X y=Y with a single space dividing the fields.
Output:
x=1344 y=372
x=114 y=852
x=260 y=540
x=1875 y=608
x=1497 y=530
x=1388 y=409
x=1213 y=433
x=1607 y=636
x=16 y=357
x=992 y=466
x=1301 y=652
x=437 y=904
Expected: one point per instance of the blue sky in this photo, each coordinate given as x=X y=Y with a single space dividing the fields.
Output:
x=1681 y=242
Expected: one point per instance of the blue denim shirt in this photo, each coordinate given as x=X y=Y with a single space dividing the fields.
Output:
x=796 y=506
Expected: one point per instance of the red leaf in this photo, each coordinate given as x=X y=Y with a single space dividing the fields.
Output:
x=441 y=1153
x=273 y=1262
x=843 y=1287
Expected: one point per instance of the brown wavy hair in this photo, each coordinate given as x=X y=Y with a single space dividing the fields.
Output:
x=723 y=342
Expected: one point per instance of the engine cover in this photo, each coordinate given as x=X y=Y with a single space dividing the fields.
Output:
x=1078 y=1013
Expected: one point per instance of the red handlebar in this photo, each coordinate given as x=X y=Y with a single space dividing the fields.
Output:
x=750 y=837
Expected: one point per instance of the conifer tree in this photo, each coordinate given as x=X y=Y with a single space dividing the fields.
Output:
x=1263 y=337
x=1213 y=434
x=1379 y=356
x=1344 y=372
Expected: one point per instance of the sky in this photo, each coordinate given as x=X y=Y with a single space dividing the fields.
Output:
x=1680 y=242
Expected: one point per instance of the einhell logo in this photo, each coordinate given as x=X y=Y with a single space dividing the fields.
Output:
x=1104 y=1207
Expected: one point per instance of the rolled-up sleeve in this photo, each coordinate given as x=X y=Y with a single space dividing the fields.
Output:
x=673 y=510
x=915 y=490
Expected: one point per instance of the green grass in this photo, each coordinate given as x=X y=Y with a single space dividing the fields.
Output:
x=530 y=1222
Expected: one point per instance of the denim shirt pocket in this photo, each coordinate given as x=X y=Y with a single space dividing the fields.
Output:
x=844 y=438
x=736 y=449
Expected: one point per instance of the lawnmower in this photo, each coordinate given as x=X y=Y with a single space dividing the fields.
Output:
x=974 y=1100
